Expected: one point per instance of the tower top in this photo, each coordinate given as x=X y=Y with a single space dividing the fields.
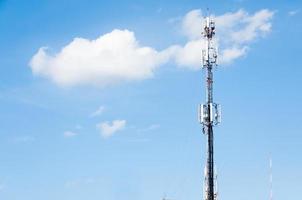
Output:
x=209 y=27
x=209 y=52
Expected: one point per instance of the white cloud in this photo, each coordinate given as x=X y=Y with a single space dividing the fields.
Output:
x=69 y=134
x=230 y=54
x=293 y=12
x=241 y=28
x=191 y=24
x=118 y=57
x=107 y=129
x=235 y=32
x=238 y=27
x=188 y=55
x=112 y=58
x=98 y=112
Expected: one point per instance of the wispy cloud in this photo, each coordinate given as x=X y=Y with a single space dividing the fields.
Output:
x=107 y=129
x=293 y=12
x=152 y=127
x=98 y=112
x=69 y=134
x=24 y=139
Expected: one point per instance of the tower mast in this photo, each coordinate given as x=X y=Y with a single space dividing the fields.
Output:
x=209 y=113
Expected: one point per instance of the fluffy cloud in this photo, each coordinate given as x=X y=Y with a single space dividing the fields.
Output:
x=188 y=55
x=241 y=28
x=107 y=129
x=191 y=24
x=235 y=32
x=228 y=55
x=114 y=57
x=118 y=57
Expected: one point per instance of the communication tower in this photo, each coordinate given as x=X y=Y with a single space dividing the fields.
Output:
x=210 y=112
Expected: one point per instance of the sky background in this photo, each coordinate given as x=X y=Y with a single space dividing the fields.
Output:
x=52 y=143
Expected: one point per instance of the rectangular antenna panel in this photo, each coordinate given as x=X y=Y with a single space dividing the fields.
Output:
x=209 y=113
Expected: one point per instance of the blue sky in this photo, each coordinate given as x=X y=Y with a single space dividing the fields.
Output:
x=136 y=136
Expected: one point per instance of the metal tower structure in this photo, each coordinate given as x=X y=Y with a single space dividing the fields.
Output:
x=210 y=112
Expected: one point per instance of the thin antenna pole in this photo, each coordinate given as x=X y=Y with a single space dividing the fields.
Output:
x=271 y=178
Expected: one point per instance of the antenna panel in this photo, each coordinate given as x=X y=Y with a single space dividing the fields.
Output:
x=209 y=113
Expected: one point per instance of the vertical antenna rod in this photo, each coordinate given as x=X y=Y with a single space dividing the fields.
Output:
x=271 y=178
x=210 y=112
